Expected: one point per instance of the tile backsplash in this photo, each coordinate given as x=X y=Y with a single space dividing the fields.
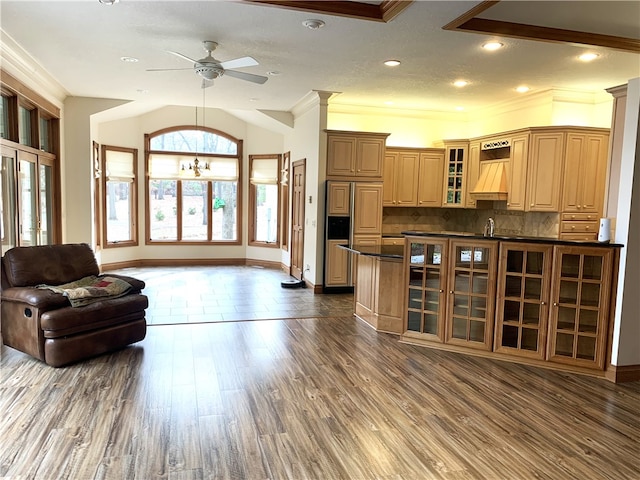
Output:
x=507 y=222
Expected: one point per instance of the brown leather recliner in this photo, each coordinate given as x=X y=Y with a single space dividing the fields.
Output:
x=42 y=322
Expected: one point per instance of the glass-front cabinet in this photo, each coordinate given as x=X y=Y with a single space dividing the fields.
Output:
x=523 y=299
x=455 y=172
x=427 y=281
x=580 y=306
x=471 y=284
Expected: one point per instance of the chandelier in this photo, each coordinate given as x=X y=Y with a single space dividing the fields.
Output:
x=195 y=169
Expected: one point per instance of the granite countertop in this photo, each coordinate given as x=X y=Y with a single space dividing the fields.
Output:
x=509 y=238
x=383 y=251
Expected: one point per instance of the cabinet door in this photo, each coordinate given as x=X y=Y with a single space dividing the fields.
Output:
x=336 y=264
x=430 y=176
x=473 y=173
x=389 y=179
x=367 y=211
x=518 y=172
x=341 y=155
x=338 y=198
x=524 y=282
x=545 y=172
x=426 y=282
x=406 y=178
x=585 y=173
x=454 y=185
x=580 y=306
x=369 y=156
x=471 y=285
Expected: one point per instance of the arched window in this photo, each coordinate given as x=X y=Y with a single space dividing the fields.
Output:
x=193 y=186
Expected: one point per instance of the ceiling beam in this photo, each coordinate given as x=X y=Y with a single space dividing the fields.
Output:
x=383 y=12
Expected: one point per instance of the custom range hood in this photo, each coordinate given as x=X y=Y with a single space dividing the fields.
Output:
x=492 y=184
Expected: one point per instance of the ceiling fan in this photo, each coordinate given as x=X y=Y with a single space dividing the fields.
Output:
x=209 y=68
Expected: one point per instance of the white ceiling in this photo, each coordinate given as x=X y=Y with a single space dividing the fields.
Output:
x=80 y=44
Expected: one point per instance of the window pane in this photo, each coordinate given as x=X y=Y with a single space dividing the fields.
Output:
x=225 y=211
x=196 y=141
x=4 y=117
x=118 y=211
x=163 y=210
x=28 y=214
x=45 y=128
x=7 y=204
x=46 y=205
x=194 y=210
x=266 y=213
x=24 y=126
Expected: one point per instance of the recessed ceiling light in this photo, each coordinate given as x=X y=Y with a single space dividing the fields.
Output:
x=313 y=24
x=493 y=46
x=392 y=63
x=588 y=57
x=142 y=91
x=460 y=83
x=522 y=89
x=129 y=59
x=108 y=2
x=273 y=73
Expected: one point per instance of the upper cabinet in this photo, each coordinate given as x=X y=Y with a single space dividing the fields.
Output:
x=430 y=178
x=545 y=171
x=455 y=155
x=355 y=154
x=400 y=178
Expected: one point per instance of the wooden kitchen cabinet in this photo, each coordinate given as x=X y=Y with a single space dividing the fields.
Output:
x=580 y=296
x=400 y=177
x=339 y=198
x=522 y=300
x=367 y=209
x=454 y=175
x=430 y=175
x=337 y=270
x=517 y=173
x=426 y=280
x=546 y=165
x=471 y=280
x=473 y=172
x=355 y=154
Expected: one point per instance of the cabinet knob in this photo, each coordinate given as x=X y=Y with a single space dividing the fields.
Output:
x=508 y=204
x=573 y=227
x=579 y=207
x=450 y=291
x=555 y=304
x=543 y=303
x=587 y=227
x=531 y=205
x=441 y=291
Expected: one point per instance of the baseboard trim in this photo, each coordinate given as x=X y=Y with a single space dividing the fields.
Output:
x=189 y=262
x=623 y=373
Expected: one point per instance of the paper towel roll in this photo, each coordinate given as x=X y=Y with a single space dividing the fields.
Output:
x=605 y=229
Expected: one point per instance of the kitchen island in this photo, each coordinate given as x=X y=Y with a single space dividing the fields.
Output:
x=540 y=301
x=379 y=287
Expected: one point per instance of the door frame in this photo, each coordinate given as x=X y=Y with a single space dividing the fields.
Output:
x=296 y=249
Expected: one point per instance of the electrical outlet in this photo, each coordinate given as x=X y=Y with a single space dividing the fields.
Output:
x=307 y=268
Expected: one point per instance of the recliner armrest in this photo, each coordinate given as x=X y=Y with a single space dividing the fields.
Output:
x=40 y=298
x=136 y=284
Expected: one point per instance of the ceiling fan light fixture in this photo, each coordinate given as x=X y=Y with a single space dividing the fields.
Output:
x=588 y=57
x=313 y=24
x=460 y=83
x=392 y=63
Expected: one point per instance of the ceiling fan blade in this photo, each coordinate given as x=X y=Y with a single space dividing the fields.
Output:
x=239 y=63
x=166 y=69
x=177 y=54
x=250 y=77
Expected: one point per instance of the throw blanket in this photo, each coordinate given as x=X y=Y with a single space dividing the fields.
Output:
x=91 y=289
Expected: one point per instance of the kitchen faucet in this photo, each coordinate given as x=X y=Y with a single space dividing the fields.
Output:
x=489 y=227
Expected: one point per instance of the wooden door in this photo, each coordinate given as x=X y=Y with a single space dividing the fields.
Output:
x=430 y=178
x=297 y=219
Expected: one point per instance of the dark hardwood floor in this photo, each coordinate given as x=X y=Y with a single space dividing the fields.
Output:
x=308 y=398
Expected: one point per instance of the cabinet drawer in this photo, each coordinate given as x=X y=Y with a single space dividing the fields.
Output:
x=579 y=237
x=580 y=227
x=580 y=217
x=392 y=240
